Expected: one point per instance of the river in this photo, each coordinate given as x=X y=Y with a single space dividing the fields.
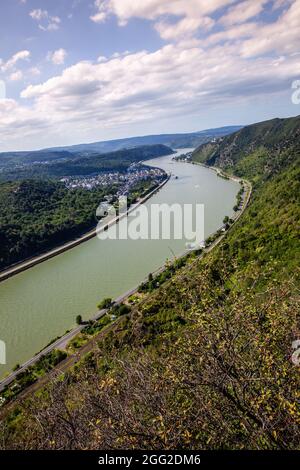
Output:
x=43 y=302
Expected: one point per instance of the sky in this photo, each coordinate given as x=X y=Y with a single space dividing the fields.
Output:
x=79 y=71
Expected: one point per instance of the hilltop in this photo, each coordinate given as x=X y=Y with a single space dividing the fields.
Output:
x=187 y=140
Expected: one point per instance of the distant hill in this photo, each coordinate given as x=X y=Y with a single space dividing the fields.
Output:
x=8 y=159
x=171 y=140
x=62 y=163
x=73 y=152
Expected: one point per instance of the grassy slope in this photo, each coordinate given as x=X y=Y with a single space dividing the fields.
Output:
x=204 y=360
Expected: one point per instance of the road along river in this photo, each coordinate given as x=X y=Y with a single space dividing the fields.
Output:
x=41 y=303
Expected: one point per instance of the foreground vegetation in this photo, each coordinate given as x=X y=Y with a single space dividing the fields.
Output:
x=32 y=374
x=203 y=359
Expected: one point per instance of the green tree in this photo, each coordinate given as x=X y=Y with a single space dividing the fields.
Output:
x=106 y=303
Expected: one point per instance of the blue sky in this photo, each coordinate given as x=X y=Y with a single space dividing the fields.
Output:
x=83 y=70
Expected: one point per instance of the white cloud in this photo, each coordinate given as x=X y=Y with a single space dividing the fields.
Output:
x=46 y=21
x=35 y=71
x=255 y=38
x=177 y=79
x=102 y=58
x=153 y=9
x=189 y=76
x=188 y=16
x=102 y=7
x=38 y=14
x=10 y=64
x=57 y=57
x=49 y=27
x=99 y=17
x=186 y=27
x=280 y=36
x=191 y=14
x=16 y=76
x=236 y=33
x=281 y=3
x=244 y=11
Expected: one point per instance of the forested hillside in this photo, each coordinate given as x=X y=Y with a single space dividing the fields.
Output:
x=58 y=164
x=255 y=149
x=37 y=212
x=37 y=215
x=203 y=360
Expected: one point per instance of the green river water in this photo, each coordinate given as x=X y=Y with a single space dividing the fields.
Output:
x=43 y=302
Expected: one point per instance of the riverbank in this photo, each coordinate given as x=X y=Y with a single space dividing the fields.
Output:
x=27 y=264
x=62 y=342
x=220 y=172
x=42 y=303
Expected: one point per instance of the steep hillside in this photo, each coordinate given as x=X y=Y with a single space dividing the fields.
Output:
x=203 y=360
x=255 y=149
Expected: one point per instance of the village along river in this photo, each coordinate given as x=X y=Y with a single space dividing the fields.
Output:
x=43 y=302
